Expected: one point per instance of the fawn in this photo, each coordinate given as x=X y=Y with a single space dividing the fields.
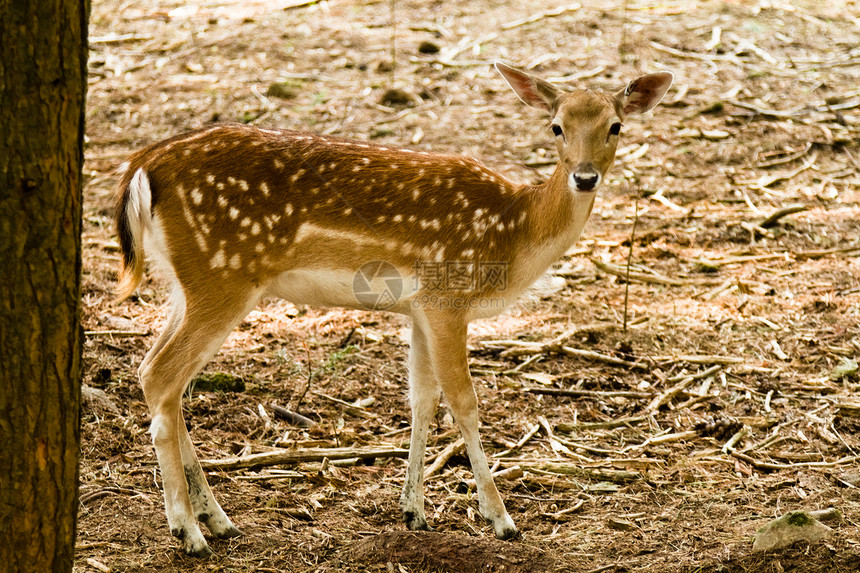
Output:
x=232 y=214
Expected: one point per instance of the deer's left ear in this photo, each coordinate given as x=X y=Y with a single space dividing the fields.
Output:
x=645 y=92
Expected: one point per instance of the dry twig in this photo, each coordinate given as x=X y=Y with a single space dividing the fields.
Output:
x=444 y=456
x=281 y=457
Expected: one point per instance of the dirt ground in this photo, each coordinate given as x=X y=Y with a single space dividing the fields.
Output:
x=728 y=400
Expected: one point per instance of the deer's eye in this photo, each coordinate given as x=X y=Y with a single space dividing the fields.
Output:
x=615 y=128
x=556 y=129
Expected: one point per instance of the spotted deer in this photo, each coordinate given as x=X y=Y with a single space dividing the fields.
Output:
x=232 y=214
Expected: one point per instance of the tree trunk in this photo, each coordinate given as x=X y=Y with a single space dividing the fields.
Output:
x=43 y=55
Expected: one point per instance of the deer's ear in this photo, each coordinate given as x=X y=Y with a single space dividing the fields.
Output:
x=531 y=90
x=645 y=92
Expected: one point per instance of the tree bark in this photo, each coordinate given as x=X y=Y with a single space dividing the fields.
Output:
x=43 y=55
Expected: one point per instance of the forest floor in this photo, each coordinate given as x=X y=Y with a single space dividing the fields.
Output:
x=735 y=399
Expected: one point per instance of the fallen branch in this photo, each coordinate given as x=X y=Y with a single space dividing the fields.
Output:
x=776 y=113
x=119 y=38
x=520 y=348
x=557 y=444
x=593 y=393
x=277 y=476
x=622 y=423
x=694 y=55
x=444 y=456
x=681 y=385
x=534 y=429
x=284 y=457
x=648 y=278
x=294 y=512
x=541 y=15
x=665 y=438
x=291 y=417
x=512 y=473
x=104 y=492
x=597 y=357
x=116 y=333
x=782 y=159
x=700 y=359
x=772 y=219
x=564 y=514
x=448 y=55
x=351 y=409
x=585 y=448
x=709 y=263
x=817 y=254
x=763 y=182
x=599 y=474
x=762 y=465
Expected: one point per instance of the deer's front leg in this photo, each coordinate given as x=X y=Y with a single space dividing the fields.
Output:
x=424 y=398
x=446 y=334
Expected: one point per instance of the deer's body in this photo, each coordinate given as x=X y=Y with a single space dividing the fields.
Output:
x=232 y=214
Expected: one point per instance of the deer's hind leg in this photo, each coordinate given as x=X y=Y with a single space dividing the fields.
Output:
x=190 y=341
x=203 y=502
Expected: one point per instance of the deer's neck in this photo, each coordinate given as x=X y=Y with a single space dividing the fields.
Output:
x=557 y=213
x=555 y=217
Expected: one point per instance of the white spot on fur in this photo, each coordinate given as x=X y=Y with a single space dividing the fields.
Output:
x=219 y=260
x=196 y=196
x=295 y=176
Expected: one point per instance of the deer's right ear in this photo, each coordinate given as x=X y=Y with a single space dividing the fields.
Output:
x=531 y=90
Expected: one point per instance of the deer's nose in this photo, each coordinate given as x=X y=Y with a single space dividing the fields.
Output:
x=586 y=177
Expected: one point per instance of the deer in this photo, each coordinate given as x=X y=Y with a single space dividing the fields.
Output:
x=231 y=214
